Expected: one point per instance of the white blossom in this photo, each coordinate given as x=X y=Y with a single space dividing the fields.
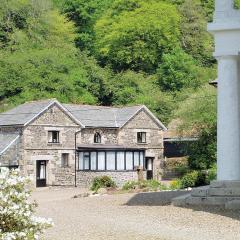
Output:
x=17 y=219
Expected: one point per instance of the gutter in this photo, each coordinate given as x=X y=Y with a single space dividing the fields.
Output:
x=75 y=148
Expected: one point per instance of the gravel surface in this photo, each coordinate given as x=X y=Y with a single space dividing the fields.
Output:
x=110 y=217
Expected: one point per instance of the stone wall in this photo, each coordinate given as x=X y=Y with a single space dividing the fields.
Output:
x=108 y=136
x=142 y=122
x=37 y=147
x=85 y=178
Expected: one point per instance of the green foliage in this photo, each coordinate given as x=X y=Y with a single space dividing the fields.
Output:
x=112 y=52
x=130 y=185
x=84 y=14
x=202 y=153
x=175 y=184
x=177 y=71
x=102 y=182
x=237 y=4
x=211 y=174
x=198 y=115
x=149 y=185
x=189 y=179
x=195 y=39
x=131 y=34
x=196 y=178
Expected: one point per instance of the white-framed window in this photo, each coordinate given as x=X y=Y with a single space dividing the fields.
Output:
x=93 y=160
x=129 y=160
x=65 y=160
x=101 y=160
x=86 y=160
x=120 y=161
x=53 y=136
x=136 y=159
x=141 y=137
x=110 y=160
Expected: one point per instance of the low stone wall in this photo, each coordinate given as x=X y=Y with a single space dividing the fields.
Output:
x=85 y=178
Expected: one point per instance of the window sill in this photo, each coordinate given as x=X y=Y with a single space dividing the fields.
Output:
x=142 y=143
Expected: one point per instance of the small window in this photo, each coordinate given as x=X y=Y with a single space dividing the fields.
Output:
x=141 y=137
x=65 y=159
x=53 y=136
x=97 y=138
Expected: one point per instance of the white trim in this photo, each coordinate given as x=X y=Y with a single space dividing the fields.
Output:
x=9 y=145
x=143 y=107
x=60 y=106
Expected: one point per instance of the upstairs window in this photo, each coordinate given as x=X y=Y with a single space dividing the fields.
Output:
x=65 y=159
x=53 y=136
x=141 y=137
x=97 y=138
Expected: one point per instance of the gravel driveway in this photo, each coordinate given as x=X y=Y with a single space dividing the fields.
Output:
x=110 y=218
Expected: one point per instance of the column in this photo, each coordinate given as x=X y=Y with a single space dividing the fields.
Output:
x=224 y=5
x=228 y=156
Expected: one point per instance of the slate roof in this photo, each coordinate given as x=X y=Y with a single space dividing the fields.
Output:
x=98 y=116
x=6 y=139
x=85 y=115
x=22 y=114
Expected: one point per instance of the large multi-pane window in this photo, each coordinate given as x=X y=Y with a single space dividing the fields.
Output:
x=110 y=160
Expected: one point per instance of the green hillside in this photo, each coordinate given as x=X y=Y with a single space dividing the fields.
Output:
x=111 y=52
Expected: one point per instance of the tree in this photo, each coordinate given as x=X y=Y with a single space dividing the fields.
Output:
x=131 y=35
x=177 y=71
x=196 y=41
x=84 y=14
x=198 y=116
x=17 y=219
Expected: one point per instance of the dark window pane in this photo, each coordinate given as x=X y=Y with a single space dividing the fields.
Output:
x=141 y=137
x=97 y=138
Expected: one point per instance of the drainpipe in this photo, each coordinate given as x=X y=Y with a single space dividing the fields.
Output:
x=75 y=177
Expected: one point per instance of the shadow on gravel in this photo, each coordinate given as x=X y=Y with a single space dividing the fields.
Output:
x=154 y=198
x=234 y=214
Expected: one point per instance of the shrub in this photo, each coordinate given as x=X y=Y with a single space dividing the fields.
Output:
x=17 y=220
x=189 y=179
x=151 y=185
x=102 y=182
x=211 y=174
x=175 y=184
x=130 y=185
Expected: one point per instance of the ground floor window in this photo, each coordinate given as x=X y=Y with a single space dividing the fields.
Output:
x=110 y=160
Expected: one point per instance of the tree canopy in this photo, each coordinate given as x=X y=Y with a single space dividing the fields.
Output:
x=110 y=52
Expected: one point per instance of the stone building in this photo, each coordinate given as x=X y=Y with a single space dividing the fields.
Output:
x=67 y=144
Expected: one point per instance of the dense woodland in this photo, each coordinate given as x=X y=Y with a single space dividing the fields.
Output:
x=114 y=52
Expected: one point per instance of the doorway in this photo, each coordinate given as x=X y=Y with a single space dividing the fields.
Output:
x=41 y=173
x=149 y=168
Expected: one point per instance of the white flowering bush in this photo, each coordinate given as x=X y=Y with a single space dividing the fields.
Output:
x=17 y=219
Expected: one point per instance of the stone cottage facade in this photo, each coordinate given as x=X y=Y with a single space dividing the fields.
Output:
x=67 y=144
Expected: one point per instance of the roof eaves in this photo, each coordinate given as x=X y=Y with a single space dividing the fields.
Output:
x=9 y=145
x=59 y=105
x=69 y=114
x=155 y=118
x=129 y=119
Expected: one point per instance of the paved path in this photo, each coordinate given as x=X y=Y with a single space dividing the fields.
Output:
x=110 y=218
